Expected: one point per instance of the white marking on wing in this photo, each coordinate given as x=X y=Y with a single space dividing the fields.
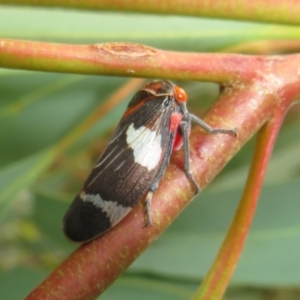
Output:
x=114 y=212
x=103 y=160
x=146 y=146
x=117 y=136
x=120 y=165
x=112 y=151
x=110 y=162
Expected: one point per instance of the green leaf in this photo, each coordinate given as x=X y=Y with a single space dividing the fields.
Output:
x=37 y=110
x=20 y=175
x=17 y=283
x=139 y=287
x=271 y=256
x=48 y=215
x=167 y=32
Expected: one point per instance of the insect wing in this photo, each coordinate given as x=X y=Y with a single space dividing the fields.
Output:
x=124 y=172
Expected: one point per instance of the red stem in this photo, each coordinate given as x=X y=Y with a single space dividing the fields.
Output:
x=126 y=59
x=216 y=281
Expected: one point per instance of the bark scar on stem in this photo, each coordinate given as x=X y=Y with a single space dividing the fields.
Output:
x=126 y=50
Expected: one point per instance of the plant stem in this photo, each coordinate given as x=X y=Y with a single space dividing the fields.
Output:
x=126 y=59
x=216 y=281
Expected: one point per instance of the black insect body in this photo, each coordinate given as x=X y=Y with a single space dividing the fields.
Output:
x=155 y=124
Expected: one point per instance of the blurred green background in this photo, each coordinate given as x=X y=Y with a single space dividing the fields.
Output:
x=38 y=110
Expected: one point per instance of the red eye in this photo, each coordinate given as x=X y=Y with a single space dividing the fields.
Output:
x=180 y=94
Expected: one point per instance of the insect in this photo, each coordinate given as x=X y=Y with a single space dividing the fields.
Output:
x=156 y=123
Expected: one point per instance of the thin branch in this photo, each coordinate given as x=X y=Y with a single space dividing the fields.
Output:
x=284 y=11
x=126 y=59
x=217 y=279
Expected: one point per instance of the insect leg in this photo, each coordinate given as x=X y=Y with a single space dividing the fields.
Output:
x=211 y=130
x=184 y=127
